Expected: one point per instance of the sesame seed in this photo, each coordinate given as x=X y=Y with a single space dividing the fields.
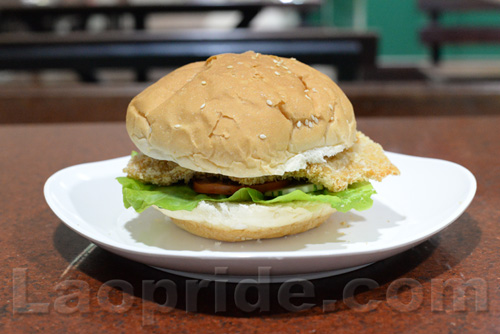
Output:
x=331 y=107
x=269 y=102
x=177 y=126
x=290 y=72
x=310 y=124
x=314 y=119
x=306 y=91
x=202 y=106
x=306 y=122
x=293 y=58
x=262 y=136
x=331 y=118
x=286 y=68
x=277 y=73
x=308 y=97
x=299 y=124
x=203 y=83
x=275 y=61
x=315 y=90
x=230 y=66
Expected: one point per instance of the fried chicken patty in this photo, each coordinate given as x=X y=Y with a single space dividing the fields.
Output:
x=363 y=161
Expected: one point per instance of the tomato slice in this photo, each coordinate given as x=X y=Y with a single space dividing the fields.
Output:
x=217 y=187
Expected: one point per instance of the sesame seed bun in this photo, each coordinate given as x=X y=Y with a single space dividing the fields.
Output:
x=239 y=222
x=242 y=115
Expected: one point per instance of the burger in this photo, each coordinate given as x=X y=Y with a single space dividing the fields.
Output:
x=248 y=146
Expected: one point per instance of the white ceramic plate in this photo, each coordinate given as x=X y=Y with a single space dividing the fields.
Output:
x=408 y=209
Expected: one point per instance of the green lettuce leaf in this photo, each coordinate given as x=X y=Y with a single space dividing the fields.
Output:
x=140 y=196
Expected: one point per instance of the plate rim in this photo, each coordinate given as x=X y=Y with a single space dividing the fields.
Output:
x=145 y=250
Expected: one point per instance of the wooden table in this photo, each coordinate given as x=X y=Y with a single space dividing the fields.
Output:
x=37 y=17
x=48 y=270
x=436 y=35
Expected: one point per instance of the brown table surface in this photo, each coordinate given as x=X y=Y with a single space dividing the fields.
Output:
x=52 y=281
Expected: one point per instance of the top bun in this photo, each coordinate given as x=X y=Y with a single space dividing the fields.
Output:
x=242 y=115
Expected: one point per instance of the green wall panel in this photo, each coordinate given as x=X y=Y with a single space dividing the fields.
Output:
x=398 y=23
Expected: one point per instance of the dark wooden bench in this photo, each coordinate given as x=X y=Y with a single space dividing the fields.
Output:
x=81 y=102
x=351 y=53
x=435 y=35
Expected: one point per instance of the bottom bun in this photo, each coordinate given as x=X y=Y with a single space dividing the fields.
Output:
x=239 y=222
